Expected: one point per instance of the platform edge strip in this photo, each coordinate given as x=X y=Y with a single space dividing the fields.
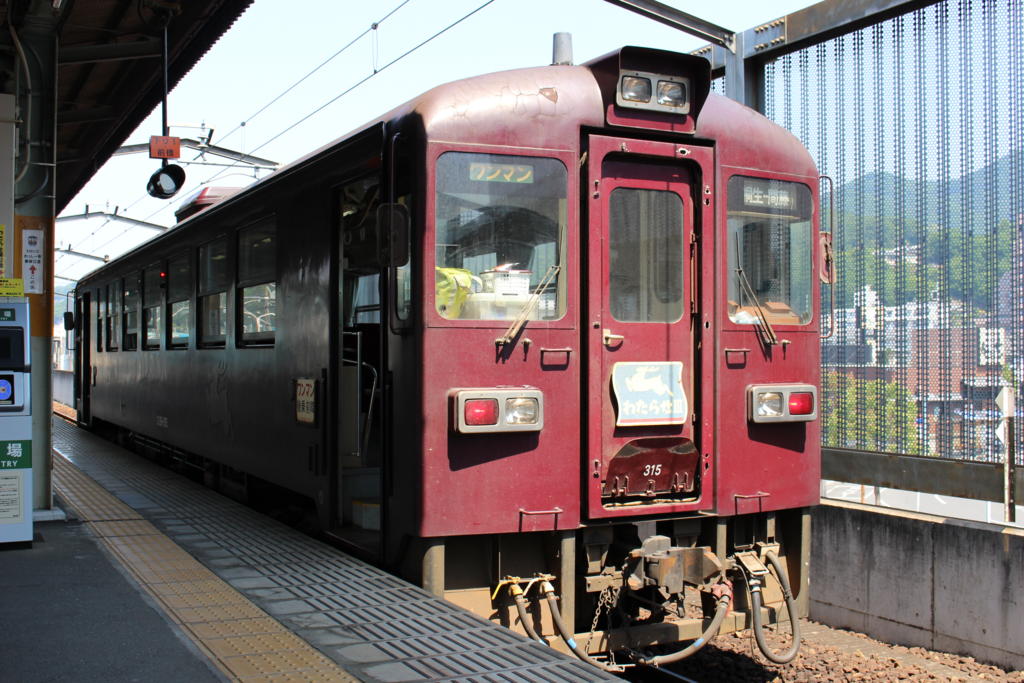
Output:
x=227 y=627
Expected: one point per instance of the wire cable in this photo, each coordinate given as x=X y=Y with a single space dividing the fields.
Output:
x=372 y=27
x=342 y=94
x=349 y=44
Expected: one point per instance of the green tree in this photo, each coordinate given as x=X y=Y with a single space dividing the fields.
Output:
x=874 y=415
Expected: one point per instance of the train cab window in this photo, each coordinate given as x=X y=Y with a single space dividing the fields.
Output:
x=213 y=296
x=500 y=223
x=113 y=315
x=257 y=286
x=130 y=341
x=645 y=244
x=152 y=305
x=179 y=293
x=770 y=250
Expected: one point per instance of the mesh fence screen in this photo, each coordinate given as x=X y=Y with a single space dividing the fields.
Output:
x=918 y=121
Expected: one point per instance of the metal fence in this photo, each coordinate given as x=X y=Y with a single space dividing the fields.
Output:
x=917 y=119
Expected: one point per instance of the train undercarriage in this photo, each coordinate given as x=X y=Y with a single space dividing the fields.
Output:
x=643 y=592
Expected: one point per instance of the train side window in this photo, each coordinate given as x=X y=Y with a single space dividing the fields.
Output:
x=213 y=296
x=130 y=342
x=113 y=315
x=402 y=277
x=359 y=201
x=179 y=294
x=257 y=283
x=99 y=318
x=152 y=300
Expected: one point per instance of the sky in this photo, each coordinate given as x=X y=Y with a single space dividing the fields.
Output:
x=261 y=92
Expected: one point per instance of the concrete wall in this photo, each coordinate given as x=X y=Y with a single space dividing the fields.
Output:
x=920 y=580
x=64 y=387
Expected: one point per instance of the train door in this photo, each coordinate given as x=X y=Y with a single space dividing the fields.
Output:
x=358 y=484
x=643 y=262
x=83 y=348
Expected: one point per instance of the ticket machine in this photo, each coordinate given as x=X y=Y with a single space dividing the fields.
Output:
x=15 y=423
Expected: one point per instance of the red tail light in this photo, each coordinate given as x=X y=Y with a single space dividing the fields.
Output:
x=481 y=411
x=801 y=403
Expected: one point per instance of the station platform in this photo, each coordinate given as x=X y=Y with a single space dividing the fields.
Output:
x=154 y=577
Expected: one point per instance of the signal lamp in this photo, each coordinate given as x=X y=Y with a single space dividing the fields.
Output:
x=481 y=411
x=801 y=403
x=166 y=182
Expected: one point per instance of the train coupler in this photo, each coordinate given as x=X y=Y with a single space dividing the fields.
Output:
x=658 y=563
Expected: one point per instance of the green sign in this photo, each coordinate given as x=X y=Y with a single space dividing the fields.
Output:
x=6 y=315
x=15 y=455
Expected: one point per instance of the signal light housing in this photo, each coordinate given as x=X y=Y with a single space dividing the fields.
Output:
x=782 y=403
x=476 y=411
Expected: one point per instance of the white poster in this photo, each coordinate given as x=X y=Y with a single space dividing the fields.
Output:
x=11 y=505
x=32 y=261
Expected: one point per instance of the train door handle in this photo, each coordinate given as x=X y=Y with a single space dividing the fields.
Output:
x=612 y=339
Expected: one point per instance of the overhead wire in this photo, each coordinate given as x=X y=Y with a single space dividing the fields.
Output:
x=372 y=27
x=334 y=99
x=342 y=94
x=241 y=126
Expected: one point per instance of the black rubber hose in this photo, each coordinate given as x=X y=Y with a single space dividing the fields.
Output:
x=755 y=606
x=524 y=618
x=710 y=632
x=556 y=617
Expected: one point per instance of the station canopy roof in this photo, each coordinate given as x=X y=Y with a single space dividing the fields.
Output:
x=110 y=71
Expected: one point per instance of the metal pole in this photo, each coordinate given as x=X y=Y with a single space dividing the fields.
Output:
x=1010 y=511
x=1006 y=401
x=166 y=128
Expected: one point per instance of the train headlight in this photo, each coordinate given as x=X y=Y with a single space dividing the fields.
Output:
x=505 y=409
x=636 y=89
x=782 y=403
x=521 y=411
x=769 y=404
x=655 y=92
x=671 y=93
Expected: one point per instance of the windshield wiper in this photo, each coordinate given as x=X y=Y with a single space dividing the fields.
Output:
x=762 y=318
x=524 y=313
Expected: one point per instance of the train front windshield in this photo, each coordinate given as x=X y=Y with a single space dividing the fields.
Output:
x=500 y=223
x=770 y=242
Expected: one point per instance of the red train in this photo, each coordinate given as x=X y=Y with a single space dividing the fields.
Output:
x=543 y=341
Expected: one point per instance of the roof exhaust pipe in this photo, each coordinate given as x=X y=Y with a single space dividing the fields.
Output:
x=561 y=52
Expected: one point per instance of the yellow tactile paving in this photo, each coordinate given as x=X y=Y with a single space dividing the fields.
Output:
x=269 y=664
x=307 y=676
x=242 y=627
x=89 y=499
x=237 y=646
x=186 y=587
x=67 y=412
x=133 y=527
x=243 y=642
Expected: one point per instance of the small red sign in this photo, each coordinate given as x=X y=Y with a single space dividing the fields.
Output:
x=164 y=147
